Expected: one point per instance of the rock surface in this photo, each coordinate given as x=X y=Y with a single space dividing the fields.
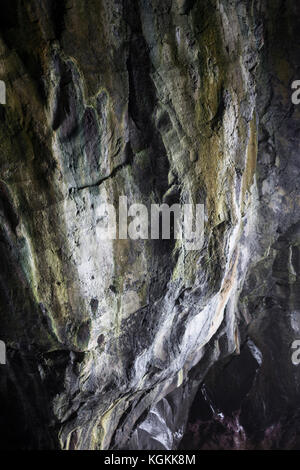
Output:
x=111 y=343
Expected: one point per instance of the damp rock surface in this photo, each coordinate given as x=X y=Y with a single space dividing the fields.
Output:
x=142 y=344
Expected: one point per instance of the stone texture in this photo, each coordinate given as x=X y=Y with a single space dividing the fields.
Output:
x=108 y=343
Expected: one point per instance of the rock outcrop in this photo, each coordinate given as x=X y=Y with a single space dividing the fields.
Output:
x=111 y=343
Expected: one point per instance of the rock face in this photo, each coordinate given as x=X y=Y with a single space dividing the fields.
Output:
x=111 y=343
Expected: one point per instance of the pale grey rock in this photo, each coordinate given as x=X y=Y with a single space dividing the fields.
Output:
x=109 y=342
